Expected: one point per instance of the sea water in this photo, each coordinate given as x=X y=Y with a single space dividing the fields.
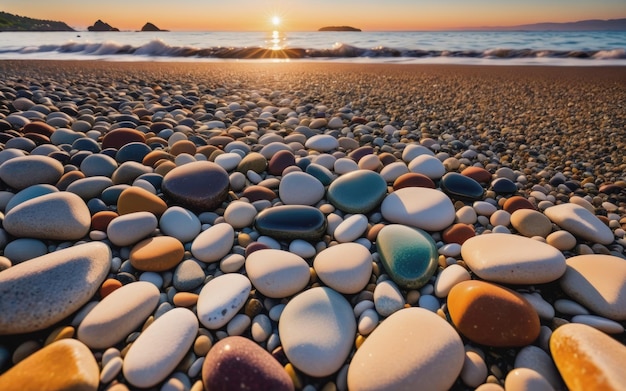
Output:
x=586 y=48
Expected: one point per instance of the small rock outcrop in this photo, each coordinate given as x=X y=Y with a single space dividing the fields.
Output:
x=339 y=28
x=102 y=26
x=150 y=27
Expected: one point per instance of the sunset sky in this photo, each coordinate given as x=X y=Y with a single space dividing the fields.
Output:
x=308 y=15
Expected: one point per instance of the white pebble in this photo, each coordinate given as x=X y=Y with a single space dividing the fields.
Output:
x=111 y=370
x=474 y=371
x=302 y=248
x=261 y=328
x=368 y=321
x=238 y=324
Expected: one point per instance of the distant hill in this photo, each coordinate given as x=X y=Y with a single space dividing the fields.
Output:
x=10 y=22
x=582 y=25
x=102 y=26
x=339 y=28
x=150 y=27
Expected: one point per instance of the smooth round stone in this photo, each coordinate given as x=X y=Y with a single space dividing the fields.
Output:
x=302 y=248
x=23 y=249
x=279 y=161
x=412 y=151
x=180 y=223
x=257 y=193
x=147 y=363
x=351 y=228
x=461 y=187
x=345 y=267
x=357 y=192
x=537 y=359
x=322 y=143
x=474 y=370
x=55 y=216
x=253 y=161
x=521 y=379
x=427 y=165
x=458 y=233
x=587 y=358
x=527 y=261
x=98 y=164
x=598 y=282
x=214 y=243
x=29 y=193
x=449 y=277
x=127 y=172
x=91 y=187
x=221 y=299
x=531 y=223
x=51 y=287
x=412 y=346
x=409 y=255
x=277 y=273
x=561 y=240
x=413 y=179
x=484 y=208
x=188 y=275
x=580 y=222
x=132 y=152
x=317 y=329
x=388 y=298
x=346 y=165
x=66 y=364
x=121 y=136
x=517 y=202
x=157 y=254
x=240 y=214
x=393 y=171
x=197 y=186
x=427 y=209
x=137 y=199
x=228 y=161
x=24 y=171
x=118 y=314
x=503 y=186
x=238 y=363
x=492 y=315
x=603 y=324
x=291 y=222
x=321 y=173
x=131 y=228
x=299 y=188
x=478 y=174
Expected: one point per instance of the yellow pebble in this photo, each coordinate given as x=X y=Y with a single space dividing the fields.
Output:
x=60 y=333
x=359 y=341
x=202 y=345
x=291 y=371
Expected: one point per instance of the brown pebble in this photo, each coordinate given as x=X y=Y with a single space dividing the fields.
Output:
x=137 y=199
x=67 y=179
x=183 y=146
x=108 y=286
x=157 y=254
x=100 y=220
x=458 y=233
x=121 y=136
x=478 y=174
x=413 y=179
x=154 y=156
x=517 y=202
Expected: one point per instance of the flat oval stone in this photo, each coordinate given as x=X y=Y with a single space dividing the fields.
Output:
x=291 y=222
x=118 y=314
x=197 y=186
x=478 y=174
x=358 y=191
x=42 y=291
x=221 y=298
x=157 y=254
x=180 y=223
x=23 y=249
x=213 y=243
x=147 y=362
x=322 y=143
x=527 y=261
x=413 y=179
x=461 y=187
x=345 y=267
x=317 y=329
x=503 y=186
x=119 y=137
x=530 y=222
x=279 y=161
x=409 y=255
x=277 y=273
x=427 y=165
x=253 y=161
x=91 y=187
x=131 y=228
x=412 y=346
x=427 y=209
x=66 y=364
x=55 y=216
x=587 y=358
x=238 y=363
x=137 y=199
x=492 y=315
x=351 y=228
x=517 y=202
x=580 y=222
x=29 y=193
x=299 y=188
x=21 y=172
x=598 y=282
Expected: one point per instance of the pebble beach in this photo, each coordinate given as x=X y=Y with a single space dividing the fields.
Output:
x=311 y=226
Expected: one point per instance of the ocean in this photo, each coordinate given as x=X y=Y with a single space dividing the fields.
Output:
x=584 y=48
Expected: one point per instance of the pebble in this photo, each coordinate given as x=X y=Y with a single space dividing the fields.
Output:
x=221 y=298
x=598 y=282
x=530 y=223
x=137 y=199
x=537 y=359
x=157 y=254
x=55 y=216
x=131 y=228
x=428 y=209
x=317 y=329
x=299 y=188
x=240 y=214
x=51 y=287
x=118 y=314
x=412 y=346
x=461 y=187
x=448 y=278
x=474 y=371
x=521 y=379
x=428 y=165
x=345 y=267
x=561 y=240
x=199 y=185
x=527 y=262
x=277 y=273
x=24 y=171
x=580 y=222
x=180 y=223
x=237 y=362
x=388 y=298
x=603 y=324
x=291 y=222
x=66 y=364
x=409 y=255
x=492 y=315
x=351 y=228
x=188 y=275
x=322 y=143
x=357 y=192
x=147 y=363
x=23 y=249
x=587 y=358
x=214 y=243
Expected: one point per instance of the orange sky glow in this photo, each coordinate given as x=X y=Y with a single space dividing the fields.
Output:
x=297 y=15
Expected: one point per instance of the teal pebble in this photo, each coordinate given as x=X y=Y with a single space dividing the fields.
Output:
x=409 y=255
x=322 y=173
x=358 y=191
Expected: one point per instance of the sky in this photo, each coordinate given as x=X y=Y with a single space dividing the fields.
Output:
x=310 y=15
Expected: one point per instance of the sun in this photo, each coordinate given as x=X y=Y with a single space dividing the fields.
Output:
x=276 y=20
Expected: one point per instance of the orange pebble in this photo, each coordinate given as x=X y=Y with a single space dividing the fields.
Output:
x=185 y=299
x=108 y=286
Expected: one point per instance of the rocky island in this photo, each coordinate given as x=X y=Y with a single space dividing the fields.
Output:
x=339 y=28
x=102 y=26
x=10 y=22
x=151 y=27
